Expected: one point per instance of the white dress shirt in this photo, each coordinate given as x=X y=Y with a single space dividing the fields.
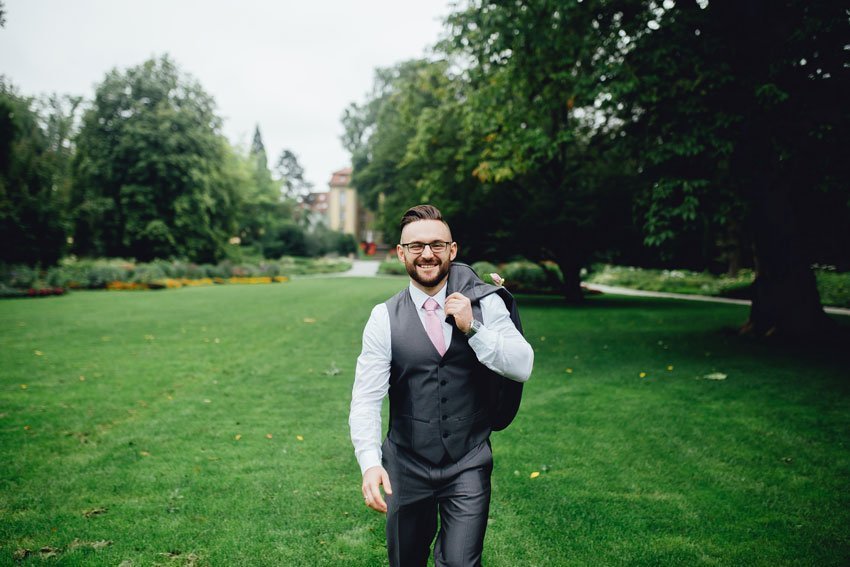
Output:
x=498 y=345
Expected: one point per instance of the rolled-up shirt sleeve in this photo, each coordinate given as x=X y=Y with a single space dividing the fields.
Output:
x=499 y=345
x=371 y=384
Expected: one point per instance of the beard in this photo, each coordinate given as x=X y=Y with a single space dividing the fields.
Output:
x=434 y=276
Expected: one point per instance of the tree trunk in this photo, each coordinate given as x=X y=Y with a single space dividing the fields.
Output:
x=785 y=295
x=571 y=270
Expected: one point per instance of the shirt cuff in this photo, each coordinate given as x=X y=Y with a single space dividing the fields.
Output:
x=368 y=459
x=483 y=338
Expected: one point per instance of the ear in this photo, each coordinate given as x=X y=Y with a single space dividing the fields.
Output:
x=453 y=251
x=399 y=250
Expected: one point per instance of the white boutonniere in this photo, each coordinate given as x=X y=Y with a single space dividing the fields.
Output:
x=497 y=279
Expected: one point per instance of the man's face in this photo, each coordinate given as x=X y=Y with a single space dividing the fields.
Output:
x=427 y=270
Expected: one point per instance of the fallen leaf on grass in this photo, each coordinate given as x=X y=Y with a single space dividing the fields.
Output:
x=38 y=353
x=300 y=437
x=94 y=512
x=238 y=436
x=23 y=386
x=100 y=544
x=715 y=376
x=642 y=374
x=145 y=454
x=332 y=370
x=21 y=554
x=268 y=435
x=309 y=320
x=535 y=474
x=48 y=551
x=189 y=560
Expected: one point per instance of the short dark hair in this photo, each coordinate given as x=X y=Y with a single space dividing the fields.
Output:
x=421 y=212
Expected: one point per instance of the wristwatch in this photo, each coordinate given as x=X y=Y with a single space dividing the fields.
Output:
x=474 y=328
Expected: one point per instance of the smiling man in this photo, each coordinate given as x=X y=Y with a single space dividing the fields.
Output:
x=435 y=354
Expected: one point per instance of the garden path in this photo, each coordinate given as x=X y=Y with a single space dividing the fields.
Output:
x=642 y=293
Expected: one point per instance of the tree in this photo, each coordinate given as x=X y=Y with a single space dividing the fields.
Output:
x=149 y=170
x=262 y=206
x=291 y=176
x=739 y=116
x=536 y=75
x=33 y=174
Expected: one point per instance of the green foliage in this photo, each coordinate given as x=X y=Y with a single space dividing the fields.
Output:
x=97 y=273
x=674 y=281
x=523 y=276
x=484 y=269
x=150 y=176
x=34 y=218
x=289 y=238
x=392 y=267
x=291 y=175
x=833 y=287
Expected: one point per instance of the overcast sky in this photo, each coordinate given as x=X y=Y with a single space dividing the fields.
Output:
x=290 y=66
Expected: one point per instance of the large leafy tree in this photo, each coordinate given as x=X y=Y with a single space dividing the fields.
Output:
x=34 y=154
x=535 y=74
x=378 y=132
x=738 y=115
x=149 y=174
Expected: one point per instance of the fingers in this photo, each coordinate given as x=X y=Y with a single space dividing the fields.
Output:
x=460 y=307
x=372 y=480
x=457 y=303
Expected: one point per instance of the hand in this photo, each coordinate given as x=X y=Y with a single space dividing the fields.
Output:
x=373 y=478
x=460 y=307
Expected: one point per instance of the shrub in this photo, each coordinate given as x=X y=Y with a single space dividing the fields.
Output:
x=392 y=268
x=97 y=276
x=147 y=273
x=833 y=287
x=484 y=269
x=220 y=270
x=524 y=276
x=554 y=277
x=18 y=275
x=285 y=239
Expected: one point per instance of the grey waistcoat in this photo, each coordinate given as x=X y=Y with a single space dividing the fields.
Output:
x=438 y=405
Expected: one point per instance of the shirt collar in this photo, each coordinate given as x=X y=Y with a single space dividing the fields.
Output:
x=419 y=297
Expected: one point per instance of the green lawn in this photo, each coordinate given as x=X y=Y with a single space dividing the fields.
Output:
x=208 y=426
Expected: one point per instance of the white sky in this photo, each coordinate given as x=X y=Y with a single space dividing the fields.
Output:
x=292 y=67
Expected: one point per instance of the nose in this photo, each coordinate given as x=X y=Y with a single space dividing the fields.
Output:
x=427 y=252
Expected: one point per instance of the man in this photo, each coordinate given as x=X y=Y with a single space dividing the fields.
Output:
x=436 y=458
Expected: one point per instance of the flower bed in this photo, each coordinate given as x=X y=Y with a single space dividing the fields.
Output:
x=126 y=275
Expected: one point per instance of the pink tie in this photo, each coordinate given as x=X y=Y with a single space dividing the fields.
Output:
x=433 y=326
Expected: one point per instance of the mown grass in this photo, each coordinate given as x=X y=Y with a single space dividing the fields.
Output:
x=665 y=469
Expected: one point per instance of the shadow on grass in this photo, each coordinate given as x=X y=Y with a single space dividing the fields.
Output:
x=614 y=302
x=832 y=350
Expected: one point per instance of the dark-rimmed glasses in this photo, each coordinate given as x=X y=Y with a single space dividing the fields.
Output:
x=437 y=247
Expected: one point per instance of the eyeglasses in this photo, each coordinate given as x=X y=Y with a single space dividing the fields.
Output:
x=437 y=247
